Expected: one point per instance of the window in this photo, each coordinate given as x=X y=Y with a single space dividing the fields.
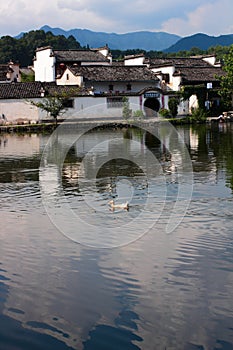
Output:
x=110 y=87
x=69 y=103
x=67 y=76
x=128 y=87
x=114 y=102
x=166 y=78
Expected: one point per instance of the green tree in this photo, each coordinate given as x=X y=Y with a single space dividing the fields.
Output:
x=226 y=81
x=173 y=106
x=138 y=114
x=22 y=50
x=52 y=105
x=55 y=104
x=27 y=77
x=199 y=90
x=126 y=111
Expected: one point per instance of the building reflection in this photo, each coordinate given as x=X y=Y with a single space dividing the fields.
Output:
x=161 y=291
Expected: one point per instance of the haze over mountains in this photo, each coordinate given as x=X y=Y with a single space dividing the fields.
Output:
x=145 y=40
x=136 y=40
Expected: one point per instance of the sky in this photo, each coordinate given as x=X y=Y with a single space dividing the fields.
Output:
x=181 y=17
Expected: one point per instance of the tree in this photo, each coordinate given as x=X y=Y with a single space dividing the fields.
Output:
x=126 y=111
x=173 y=106
x=199 y=90
x=52 y=105
x=55 y=104
x=27 y=77
x=226 y=81
x=22 y=50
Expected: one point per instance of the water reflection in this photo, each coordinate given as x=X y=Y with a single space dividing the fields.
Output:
x=170 y=291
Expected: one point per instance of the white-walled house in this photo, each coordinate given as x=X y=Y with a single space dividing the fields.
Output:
x=176 y=73
x=15 y=103
x=113 y=82
x=44 y=64
x=110 y=79
x=50 y=64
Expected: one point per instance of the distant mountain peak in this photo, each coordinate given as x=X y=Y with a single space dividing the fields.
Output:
x=201 y=41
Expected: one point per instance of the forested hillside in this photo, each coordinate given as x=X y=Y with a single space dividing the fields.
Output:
x=23 y=50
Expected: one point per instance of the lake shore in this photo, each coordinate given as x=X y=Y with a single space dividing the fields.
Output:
x=48 y=126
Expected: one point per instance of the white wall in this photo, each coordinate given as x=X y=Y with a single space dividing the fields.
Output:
x=44 y=65
x=119 y=86
x=96 y=107
x=84 y=107
x=175 y=85
x=68 y=78
x=193 y=102
x=174 y=81
x=18 y=109
x=211 y=60
x=136 y=61
x=183 y=108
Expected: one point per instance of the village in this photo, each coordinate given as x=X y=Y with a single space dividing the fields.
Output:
x=97 y=85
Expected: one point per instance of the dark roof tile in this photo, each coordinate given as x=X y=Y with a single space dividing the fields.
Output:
x=19 y=90
x=79 y=56
x=34 y=89
x=199 y=74
x=115 y=73
x=179 y=62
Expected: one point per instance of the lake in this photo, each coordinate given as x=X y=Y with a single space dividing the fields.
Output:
x=76 y=273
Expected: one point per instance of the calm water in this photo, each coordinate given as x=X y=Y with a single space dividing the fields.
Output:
x=124 y=280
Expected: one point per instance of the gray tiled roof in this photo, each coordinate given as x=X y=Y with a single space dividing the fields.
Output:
x=33 y=90
x=128 y=57
x=20 y=90
x=115 y=73
x=199 y=74
x=179 y=62
x=79 y=56
x=53 y=89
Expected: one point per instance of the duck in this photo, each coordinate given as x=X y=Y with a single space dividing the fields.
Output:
x=118 y=206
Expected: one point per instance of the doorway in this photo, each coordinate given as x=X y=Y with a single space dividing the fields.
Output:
x=151 y=107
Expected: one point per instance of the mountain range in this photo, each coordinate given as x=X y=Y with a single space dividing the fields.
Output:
x=144 y=40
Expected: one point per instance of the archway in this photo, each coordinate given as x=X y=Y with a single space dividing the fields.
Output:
x=151 y=107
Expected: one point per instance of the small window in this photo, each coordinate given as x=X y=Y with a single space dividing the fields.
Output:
x=128 y=87
x=166 y=78
x=110 y=87
x=69 y=103
x=67 y=76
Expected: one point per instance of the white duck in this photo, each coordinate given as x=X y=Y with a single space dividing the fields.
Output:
x=118 y=206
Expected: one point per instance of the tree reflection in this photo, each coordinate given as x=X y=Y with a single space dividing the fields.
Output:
x=214 y=149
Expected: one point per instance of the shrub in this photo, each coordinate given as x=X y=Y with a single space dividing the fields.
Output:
x=164 y=112
x=138 y=114
x=199 y=114
x=173 y=106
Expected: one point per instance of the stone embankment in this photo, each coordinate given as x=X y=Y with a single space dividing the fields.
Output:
x=50 y=125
